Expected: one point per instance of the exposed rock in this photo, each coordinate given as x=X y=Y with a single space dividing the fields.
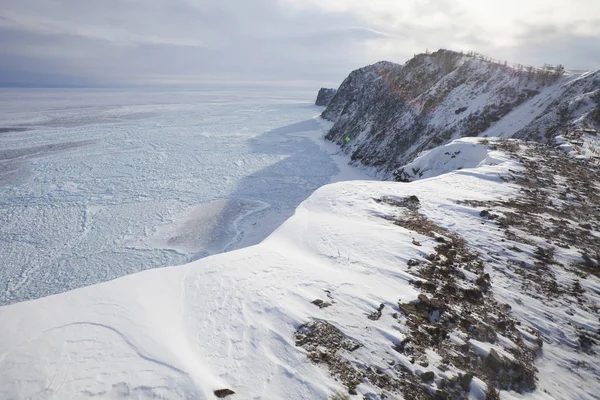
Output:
x=454 y=303
x=320 y=333
x=325 y=96
x=427 y=376
x=465 y=381
x=483 y=280
x=320 y=303
x=376 y=314
x=222 y=393
x=495 y=361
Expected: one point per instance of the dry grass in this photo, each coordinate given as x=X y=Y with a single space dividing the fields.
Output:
x=559 y=205
x=461 y=305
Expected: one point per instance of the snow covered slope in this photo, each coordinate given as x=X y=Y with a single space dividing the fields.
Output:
x=370 y=288
x=385 y=114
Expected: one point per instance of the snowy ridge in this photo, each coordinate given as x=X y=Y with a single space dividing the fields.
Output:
x=385 y=114
x=245 y=320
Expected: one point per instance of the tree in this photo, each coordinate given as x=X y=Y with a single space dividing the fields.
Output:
x=530 y=70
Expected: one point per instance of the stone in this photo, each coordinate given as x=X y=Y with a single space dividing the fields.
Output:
x=483 y=280
x=465 y=382
x=495 y=361
x=222 y=393
x=320 y=303
x=427 y=376
x=423 y=298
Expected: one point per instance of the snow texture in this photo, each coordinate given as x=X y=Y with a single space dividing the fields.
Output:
x=228 y=320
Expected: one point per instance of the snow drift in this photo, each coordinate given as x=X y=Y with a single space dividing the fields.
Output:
x=455 y=156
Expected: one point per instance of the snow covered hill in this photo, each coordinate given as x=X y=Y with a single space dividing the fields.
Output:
x=436 y=288
x=385 y=114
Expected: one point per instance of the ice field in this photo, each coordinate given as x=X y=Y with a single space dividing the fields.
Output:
x=97 y=184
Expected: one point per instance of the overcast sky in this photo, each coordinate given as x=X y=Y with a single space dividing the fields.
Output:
x=283 y=42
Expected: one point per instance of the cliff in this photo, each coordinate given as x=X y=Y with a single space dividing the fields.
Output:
x=324 y=96
x=385 y=114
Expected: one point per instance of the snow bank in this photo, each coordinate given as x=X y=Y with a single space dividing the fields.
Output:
x=457 y=155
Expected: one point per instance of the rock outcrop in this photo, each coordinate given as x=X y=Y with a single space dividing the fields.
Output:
x=325 y=96
x=385 y=114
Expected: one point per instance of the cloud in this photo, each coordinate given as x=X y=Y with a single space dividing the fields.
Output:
x=120 y=41
x=551 y=44
x=317 y=42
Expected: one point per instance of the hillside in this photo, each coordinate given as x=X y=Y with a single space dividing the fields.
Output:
x=385 y=114
x=437 y=288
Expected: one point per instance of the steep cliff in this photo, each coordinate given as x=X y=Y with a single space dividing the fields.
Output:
x=324 y=96
x=385 y=114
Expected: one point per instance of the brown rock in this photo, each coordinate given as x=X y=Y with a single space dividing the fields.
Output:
x=495 y=361
x=320 y=303
x=423 y=298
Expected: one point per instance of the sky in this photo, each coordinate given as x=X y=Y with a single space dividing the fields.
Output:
x=295 y=43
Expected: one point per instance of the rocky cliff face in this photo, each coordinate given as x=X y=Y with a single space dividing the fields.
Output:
x=324 y=97
x=385 y=114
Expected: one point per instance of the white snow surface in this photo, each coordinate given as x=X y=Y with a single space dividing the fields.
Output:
x=459 y=154
x=228 y=320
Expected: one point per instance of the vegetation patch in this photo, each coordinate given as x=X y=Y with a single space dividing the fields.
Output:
x=453 y=303
x=557 y=212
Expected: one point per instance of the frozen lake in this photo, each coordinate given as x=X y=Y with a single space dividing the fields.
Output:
x=97 y=184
